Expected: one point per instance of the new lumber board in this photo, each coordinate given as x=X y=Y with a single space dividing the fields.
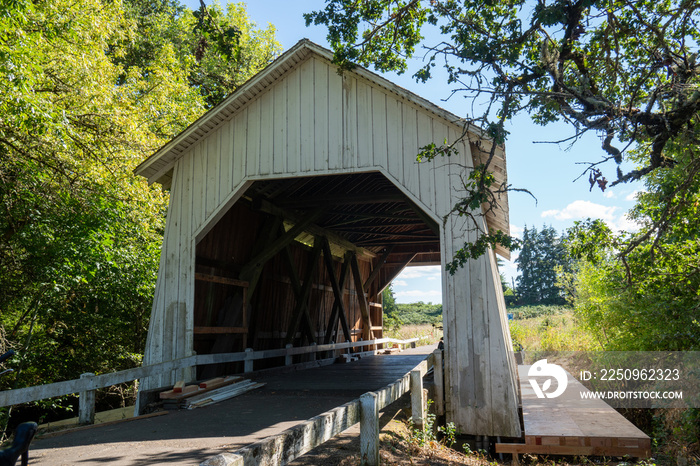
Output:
x=197 y=389
x=572 y=425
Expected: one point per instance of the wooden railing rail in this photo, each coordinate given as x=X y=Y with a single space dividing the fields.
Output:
x=286 y=446
x=93 y=382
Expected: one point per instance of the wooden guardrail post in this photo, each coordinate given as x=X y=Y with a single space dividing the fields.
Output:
x=439 y=382
x=369 y=430
x=417 y=402
x=248 y=363
x=86 y=403
x=288 y=358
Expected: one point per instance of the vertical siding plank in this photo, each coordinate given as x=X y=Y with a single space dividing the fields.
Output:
x=364 y=124
x=293 y=122
x=240 y=153
x=266 y=132
x=379 y=128
x=320 y=116
x=211 y=146
x=279 y=154
x=349 y=121
x=307 y=116
x=441 y=132
x=226 y=161
x=200 y=183
x=172 y=268
x=425 y=137
x=394 y=137
x=410 y=149
x=253 y=139
x=335 y=119
x=185 y=321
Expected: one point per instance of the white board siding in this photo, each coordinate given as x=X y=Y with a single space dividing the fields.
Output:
x=316 y=122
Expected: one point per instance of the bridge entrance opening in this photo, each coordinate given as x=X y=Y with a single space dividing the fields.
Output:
x=303 y=261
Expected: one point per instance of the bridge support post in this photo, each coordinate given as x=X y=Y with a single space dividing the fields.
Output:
x=369 y=429
x=248 y=363
x=288 y=357
x=86 y=403
x=439 y=383
x=417 y=402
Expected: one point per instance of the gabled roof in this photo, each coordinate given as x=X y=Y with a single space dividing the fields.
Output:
x=159 y=166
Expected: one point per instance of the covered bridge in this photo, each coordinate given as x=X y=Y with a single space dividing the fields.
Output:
x=297 y=200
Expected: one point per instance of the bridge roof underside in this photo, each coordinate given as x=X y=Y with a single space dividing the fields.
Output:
x=364 y=212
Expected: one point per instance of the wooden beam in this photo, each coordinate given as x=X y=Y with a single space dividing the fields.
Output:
x=219 y=279
x=259 y=260
x=367 y=333
x=432 y=224
x=263 y=205
x=301 y=310
x=343 y=199
x=375 y=273
x=218 y=330
x=397 y=271
x=338 y=290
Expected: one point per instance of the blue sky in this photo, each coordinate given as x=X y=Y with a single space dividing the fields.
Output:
x=547 y=170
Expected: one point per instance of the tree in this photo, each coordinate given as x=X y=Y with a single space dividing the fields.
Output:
x=541 y=255
x=84 y=97
x=625 y=69
x=647 y=298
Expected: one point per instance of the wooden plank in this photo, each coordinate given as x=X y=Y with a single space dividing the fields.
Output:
x=224 y=134
x=213 y=157
x=219 y=330
x=362 y=298
x=253 y=139
x=267 y=112
x=338 y=286
x=380 y=149
x=279 y=129
x=394 y=134
x=349 y=121
x=378 y=266
x=306 y=120
x=223 y=280
x=335 y=119
x=320 y=115
x=300 y=314
x=293 y=124
x=240 y=154
x=519 y=448
x=279 y=244
x=410 y=149
x=571 y=423
x=365 y=155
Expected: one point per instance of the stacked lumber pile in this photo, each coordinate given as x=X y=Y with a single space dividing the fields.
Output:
x=205 y=393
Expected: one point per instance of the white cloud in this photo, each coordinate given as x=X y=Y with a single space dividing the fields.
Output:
x=633 y=195
x=399 y=283
x=425 y=272
x=516 y=231
x=609 y=194
x=412 y=296
x=581 y=210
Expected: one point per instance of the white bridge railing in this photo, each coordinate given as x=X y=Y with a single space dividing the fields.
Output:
x=88 y=383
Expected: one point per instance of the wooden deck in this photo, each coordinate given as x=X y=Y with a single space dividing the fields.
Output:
x=569 y=425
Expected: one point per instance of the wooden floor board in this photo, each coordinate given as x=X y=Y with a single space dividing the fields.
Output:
x=571 y=425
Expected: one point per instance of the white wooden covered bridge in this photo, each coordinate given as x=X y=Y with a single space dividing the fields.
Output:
x=298 y=199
